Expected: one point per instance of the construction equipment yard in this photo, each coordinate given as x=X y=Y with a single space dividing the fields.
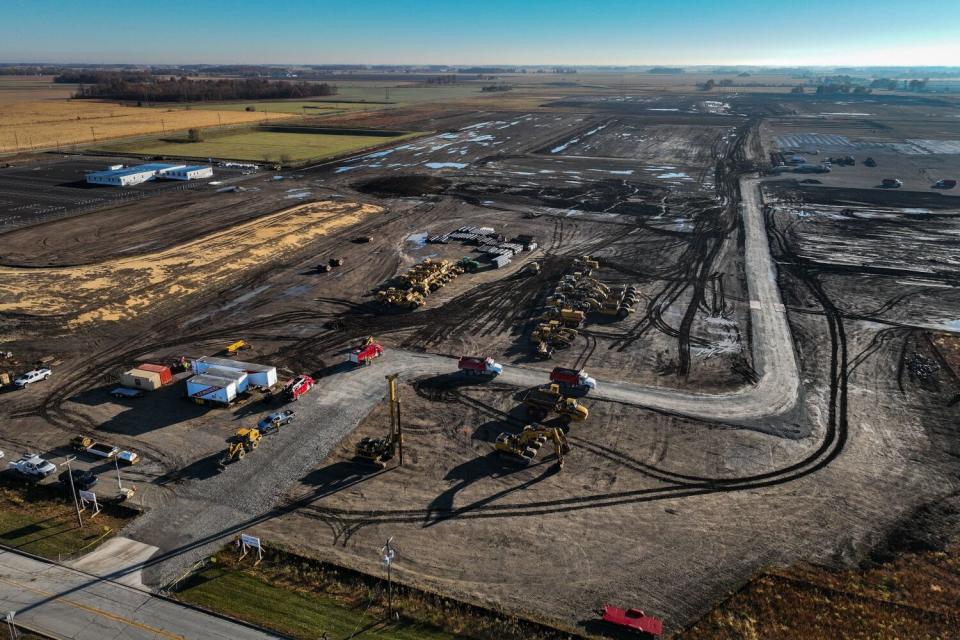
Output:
x=775 y=361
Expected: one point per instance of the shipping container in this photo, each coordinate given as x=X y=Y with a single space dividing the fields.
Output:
x=241 y=379
x=260 y=375
x=140 y=379
x=204 y=388
x=166 y=375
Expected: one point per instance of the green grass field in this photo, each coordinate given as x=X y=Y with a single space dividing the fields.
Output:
x=300 y=615
x=261 y=146
x=33 y=521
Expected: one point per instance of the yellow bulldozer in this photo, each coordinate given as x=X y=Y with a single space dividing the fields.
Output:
x=238 y=346
x=242 y=442
x=523 y=447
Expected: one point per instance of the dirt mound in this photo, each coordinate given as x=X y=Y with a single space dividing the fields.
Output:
x=404 y=186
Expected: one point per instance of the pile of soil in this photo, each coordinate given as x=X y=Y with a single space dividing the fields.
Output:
x=404 y=186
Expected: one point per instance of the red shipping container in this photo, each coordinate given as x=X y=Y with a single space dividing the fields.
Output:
x=166 y=375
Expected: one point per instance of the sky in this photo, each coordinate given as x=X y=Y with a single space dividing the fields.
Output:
x=523 y=32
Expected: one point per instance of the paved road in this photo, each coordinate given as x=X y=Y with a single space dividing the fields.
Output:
x=66 y=603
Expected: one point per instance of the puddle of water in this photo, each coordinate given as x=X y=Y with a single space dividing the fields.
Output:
x=419 y=240
x=445 y=165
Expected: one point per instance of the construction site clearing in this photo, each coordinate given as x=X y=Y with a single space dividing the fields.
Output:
x=773 y=362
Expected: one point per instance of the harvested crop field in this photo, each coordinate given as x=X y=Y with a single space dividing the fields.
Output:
x=64 y=124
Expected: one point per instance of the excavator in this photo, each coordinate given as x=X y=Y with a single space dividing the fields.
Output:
x=379 y=451
x=523 y=447
x=243 y=440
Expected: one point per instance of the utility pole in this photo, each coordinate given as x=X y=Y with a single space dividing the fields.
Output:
x=73 y=490
x=388 y=554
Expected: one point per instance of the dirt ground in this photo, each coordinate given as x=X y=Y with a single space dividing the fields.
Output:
x=651 y=509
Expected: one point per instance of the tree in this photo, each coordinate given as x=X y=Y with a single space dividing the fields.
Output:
x=708 y=85
x=195 y=135
x=797 y=89
x=726 y=82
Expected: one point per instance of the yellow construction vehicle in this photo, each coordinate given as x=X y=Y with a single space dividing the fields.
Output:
x=379 y=451
x=243 y=440
x=540 y=402
x=236 y=347
x=523 y=447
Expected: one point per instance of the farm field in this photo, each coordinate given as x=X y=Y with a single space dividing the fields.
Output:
x=261 y=146
x=38 y=124
x=25 y=88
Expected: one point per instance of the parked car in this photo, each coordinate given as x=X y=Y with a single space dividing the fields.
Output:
x=891 y=183
x=947 y=183
x=30 y=377
x=32 y=465
x=275 y=420
x=126 y=392
x=82 y=480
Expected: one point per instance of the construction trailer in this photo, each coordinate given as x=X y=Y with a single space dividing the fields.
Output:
x=141 y=379
x=189 y=172
x=259 y=375
x=240 y=378
x=205 y=389
x=166 y=374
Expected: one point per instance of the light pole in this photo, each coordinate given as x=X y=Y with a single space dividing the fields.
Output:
x=73 y=490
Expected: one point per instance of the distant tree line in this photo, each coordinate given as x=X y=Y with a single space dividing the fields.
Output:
x=497 y=87
x=102 y=77
x=19 y=70
x=892 y=85
x=155 y=89
x=444 y=79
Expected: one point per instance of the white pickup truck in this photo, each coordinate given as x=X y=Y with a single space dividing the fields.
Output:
x=30 y=377
x=32 y=465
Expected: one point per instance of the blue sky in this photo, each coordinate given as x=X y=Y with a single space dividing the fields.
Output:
x=786 y=32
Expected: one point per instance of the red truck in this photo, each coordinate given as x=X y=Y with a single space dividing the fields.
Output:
x=366 y=353
x=479 y=366
x=297 y=387
x=575 y=378
x=632 y=619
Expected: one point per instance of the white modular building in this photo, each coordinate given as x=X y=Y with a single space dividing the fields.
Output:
x=119 y=176
x=189 y=172
x=260 y=375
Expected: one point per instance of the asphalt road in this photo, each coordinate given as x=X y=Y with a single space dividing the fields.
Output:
x=65 y=603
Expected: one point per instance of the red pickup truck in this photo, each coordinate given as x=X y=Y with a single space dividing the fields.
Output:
x=632 y=619
x=365 y=354
x=297 y=387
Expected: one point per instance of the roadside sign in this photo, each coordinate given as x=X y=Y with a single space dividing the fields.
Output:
x=89 y=497
x=251 y=542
